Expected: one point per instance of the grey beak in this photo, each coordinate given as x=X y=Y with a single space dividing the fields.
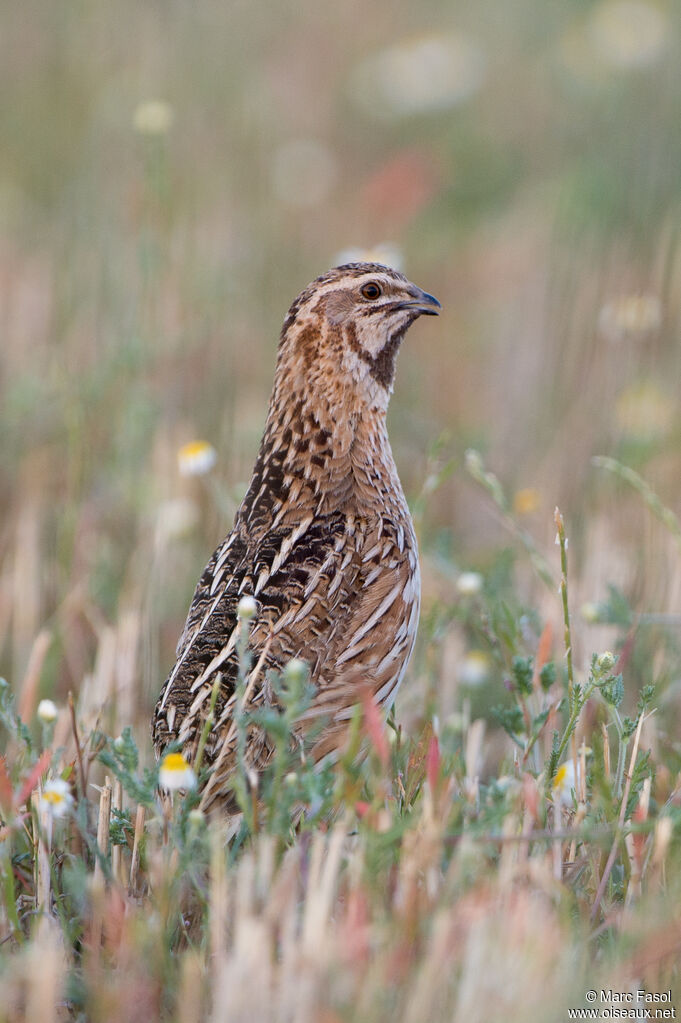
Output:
x=422 y=303
x=428 y=304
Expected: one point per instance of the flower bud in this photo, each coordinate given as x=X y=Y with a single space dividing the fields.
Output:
x=606 y=660
x=47 y=711
x=247 y=608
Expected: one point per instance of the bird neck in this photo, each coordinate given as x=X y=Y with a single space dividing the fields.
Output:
x=321 y=455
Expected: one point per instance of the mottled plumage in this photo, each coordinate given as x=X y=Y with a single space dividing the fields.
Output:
x=323 y=539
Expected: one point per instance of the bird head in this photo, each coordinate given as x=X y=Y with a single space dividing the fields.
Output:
x=345 y=329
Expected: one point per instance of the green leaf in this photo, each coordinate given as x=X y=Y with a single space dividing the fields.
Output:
x=642 y=769
x=511 y=720
x=645 y=698
x=522 y=674
x=615 y=609
x=547 y=675
x=612 y=690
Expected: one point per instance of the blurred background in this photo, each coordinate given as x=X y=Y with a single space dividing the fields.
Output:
x=173 y=174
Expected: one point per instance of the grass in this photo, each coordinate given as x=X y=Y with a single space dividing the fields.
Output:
x=510 y=838
x=409 y=888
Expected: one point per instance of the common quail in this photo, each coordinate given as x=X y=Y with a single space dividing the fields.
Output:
x=323 y=540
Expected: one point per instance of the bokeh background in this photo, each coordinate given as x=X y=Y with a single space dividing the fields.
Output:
x=172 y=174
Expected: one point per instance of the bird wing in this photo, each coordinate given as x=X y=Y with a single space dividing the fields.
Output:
x=324 y=587
x=211 y=618
x=373 y=633
x=280 y=569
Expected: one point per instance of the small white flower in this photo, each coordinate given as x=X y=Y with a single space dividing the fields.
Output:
x=56 y=798
x=645 y=411
x=247 y=608
x=295 y=671
x=196 y=458
x=47 y=711
x=473 y=462
x=455 y=722
x=385 y=253
x=176 y=518
x=636 y=316
x=589 y=612
x=469 y=583
x=629 y=34
x=420 y=74
x=154 y=117
x=565 y=784
x=175 y=773
x=474 y=668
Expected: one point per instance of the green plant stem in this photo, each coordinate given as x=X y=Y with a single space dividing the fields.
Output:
x=560 y=526
x=665 y=515
x=10 y=897
x=240 y=720
x=621 y=750
x=572 y=721
x=208 y=723
x=491 y=484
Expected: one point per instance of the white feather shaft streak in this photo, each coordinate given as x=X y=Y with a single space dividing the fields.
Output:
x=227 y=742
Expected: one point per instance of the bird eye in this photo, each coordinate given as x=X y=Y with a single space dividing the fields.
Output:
x=371 y=290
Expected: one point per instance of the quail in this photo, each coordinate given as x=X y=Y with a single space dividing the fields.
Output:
x=323 y=541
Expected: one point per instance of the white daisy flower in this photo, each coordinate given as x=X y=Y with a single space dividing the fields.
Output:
x=469 y=583
x=474 y=669
x=565 y=784
x=56 y=798
x=196 y=458
x=175 y=773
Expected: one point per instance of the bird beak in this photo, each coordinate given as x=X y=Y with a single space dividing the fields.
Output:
x=422 y=303
x=427 y=304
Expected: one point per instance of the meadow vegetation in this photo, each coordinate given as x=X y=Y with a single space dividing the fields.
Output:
x=170 y=177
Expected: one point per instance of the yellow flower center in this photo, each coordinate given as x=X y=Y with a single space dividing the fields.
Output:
x=526 y=501
x=50 y=796
x=194 y=449
x=174 y=762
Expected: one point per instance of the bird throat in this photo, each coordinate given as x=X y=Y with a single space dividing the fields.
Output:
x=382 y=365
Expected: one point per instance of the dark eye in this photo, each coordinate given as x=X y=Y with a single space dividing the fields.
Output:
x=371 y=290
